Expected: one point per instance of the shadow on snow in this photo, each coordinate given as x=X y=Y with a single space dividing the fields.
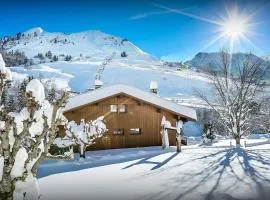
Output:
x=216 y=169
x=99 y=158
x=252 y=162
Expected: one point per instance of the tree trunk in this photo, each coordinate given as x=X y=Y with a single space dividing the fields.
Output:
x=178 y=143
x=82 y=155
x=7 y=189
x=165 y=139
x=237 y=140
x=82 y=151
x=6 y=195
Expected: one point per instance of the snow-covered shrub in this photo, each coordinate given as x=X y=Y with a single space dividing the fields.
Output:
x=84 y=134
x=124 y=54
x=208 y=133
x=165 y=125
x=13 y=98
x=5 y=76
x=26 y=137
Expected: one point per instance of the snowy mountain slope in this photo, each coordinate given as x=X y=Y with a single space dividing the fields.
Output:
x=88 y=50
x=202 y=60
x=266 y=58
x=79 y=76
x=89 y=45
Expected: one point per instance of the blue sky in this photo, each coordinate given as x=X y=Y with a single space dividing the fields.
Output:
x=171 y=29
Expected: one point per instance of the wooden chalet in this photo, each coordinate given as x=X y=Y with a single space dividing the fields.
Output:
x=132 y=116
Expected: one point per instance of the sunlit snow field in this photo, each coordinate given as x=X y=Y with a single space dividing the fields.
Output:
x=198 y=172
x=79 y=76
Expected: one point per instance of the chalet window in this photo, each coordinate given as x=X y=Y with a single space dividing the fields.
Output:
x=113 y=108
x=135 y=131
x=122 y=108
x=118 y=131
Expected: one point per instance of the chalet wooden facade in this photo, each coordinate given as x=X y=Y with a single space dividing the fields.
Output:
x=132 y=116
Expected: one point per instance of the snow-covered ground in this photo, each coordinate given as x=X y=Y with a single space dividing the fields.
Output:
x=198 y=172
x=91 y=45
x=79 y=76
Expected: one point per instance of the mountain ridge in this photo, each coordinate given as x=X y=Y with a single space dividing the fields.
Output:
x=90 y=45
x=203 y=60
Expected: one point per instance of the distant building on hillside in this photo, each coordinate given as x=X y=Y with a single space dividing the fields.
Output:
x=132 y=116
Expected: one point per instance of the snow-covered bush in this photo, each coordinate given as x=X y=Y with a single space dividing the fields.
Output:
x=208 y=133
x=26 y=137
x=165 y=125
x=5 y=76
x=84 y=134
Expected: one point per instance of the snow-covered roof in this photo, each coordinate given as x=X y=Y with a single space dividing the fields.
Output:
x=104 y=92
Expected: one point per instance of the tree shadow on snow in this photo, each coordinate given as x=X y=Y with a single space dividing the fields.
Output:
x=147 y=160
x=253 y=164
x=100 y=158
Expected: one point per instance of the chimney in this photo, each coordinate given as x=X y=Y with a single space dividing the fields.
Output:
x=98 y=84
x=154 y=87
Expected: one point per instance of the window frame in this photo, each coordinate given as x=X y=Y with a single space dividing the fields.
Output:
x=111 y=108
x=119 y=108
x=132 y=131
x=119 y=129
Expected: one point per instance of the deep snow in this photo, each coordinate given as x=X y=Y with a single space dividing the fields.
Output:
x=199 y=172
x=79 y=76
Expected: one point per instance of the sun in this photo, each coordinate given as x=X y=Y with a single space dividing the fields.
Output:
x=234 y=28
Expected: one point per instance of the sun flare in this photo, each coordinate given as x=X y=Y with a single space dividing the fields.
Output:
x=234 y=28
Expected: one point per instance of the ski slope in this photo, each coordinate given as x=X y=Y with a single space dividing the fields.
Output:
x=79 y=76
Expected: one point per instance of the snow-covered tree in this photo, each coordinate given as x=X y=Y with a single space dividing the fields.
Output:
x=5 y=76
x=208 y=132
x=49 y=54
x=179 y=133
x=51 y=94
x=84 y=134
x=165 y=124
x=55 y=58
x=208 y=115
x=236 y=89
x=25 y=139
x=262 y=121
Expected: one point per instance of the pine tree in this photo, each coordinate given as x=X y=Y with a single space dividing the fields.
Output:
x=49 y=54
x=4 y=97
x=10 y=104
x=51 y=96
x=21 y=93
x=55 y=58
x=68 y=58
x=124 y=54
x=208 y=132
x=40 y=56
